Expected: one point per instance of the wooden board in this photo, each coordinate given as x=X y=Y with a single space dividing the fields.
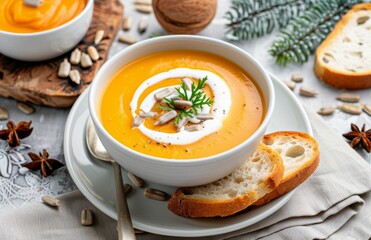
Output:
x=37 y=82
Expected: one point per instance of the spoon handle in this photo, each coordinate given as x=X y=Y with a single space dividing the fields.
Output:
x=124 y=225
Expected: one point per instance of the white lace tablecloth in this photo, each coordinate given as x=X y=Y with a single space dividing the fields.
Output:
x=18 y=186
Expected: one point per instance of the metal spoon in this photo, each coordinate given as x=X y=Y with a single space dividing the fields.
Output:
x=124 y=225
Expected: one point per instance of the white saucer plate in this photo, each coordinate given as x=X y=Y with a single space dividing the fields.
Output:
x=95 y=178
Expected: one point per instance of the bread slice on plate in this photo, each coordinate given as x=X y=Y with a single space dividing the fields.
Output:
x=300 y=155
x=343 y=59
x=258 y=175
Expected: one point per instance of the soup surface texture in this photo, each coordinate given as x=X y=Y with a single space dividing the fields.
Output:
x=16 y=17
x=235 y=105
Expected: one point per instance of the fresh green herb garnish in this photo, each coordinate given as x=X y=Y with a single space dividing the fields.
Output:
x=197 y=97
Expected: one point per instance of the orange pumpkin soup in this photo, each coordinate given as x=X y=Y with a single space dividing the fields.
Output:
x=181 y=104
x=17 y=17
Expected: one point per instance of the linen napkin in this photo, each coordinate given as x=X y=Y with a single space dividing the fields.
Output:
x=334 y=203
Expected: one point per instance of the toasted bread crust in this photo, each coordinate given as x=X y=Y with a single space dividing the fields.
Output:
x=183 y=205
x=294 y=178
x=335 y=77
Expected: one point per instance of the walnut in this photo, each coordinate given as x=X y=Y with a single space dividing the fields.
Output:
x=186 y=16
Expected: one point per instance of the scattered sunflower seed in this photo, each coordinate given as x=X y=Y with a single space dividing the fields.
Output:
x=86 y=60
x=124 y=38
x=350 y=108
x=297 y=78
x=75 y=57
x=143 y=2
x=75 y=76
x=64 y=69
x=127 y=188
x=143 y=25
x=25 y=108
x=51 y=201
x=362 y=20
x=33 y=3
x=307 y=91
x=144 y=8
x=166 y=117
x=3 y=114
x=164 y=93
x=290 y=84
x=137 y=121
x=348 y=97
x=98 y=36
x=366 y=108
x=193 y=128
x=188 y=83
x=205 y=116
x=137 y=181
x=86 y=217
x=155 y=194
x=93 y=53
x=326 y=110
x=143 y=114
x=126 y=23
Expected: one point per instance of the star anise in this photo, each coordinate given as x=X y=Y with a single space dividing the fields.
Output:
x=15 y=133
x=43 y=162
x=358 y=137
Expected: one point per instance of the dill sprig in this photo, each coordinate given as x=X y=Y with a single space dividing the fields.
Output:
x=196 y=96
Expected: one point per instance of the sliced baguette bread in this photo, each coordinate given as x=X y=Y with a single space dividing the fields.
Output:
x=258 y=175
x=343 y=59
x=300 y=155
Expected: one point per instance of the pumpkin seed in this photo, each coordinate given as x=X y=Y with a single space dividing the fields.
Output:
x=348 y=97
x=86 y=60
x=307 y=92
x=87 y=217
x=75 y=76
x=127 y=39
x=166 y=117
x=51 y=201
x=350 y=108
x=3 y=114
x=64 y=69
x=290 y=84
x=155 y=194
x=93 y=53
x=98 y=36
x=75 y=57
x=297 y=78
x=137 y=181
x=326 y=110
x=25 y=108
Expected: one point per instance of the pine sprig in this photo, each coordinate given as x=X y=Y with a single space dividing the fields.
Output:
x=197 y=97
x=254 y=18
x=304 y=33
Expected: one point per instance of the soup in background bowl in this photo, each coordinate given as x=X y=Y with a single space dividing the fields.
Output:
x=218 y=97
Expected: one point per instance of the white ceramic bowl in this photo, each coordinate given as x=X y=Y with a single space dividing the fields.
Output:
x=178 y=172
x=47 y=44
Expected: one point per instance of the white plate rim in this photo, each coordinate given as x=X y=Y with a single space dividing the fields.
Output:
x=165 y=230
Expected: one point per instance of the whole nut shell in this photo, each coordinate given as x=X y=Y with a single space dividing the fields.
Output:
x=186 y=16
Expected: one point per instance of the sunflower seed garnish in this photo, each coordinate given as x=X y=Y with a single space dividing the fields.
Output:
x=64 y=69
x=75 y=76
x=205 y=116
x=297 y=78
x=25 y=108
x=126 y=23
x=366 y=108
x=86 y=60
x=164 y=93
x=181 y=123
x=75 y=57
x=98 y=36
x=193 y=128
x=124 y=38
x=326 y=110
x=137 y=121
x=155 y=194
x=137 y=181
x=188 y=83
x=143 y=114
x=166 y=117
x=33 y=3
x=51 y=201
x=3 y=114
x=290 y=84
x=348 y=97
x=193 y=120
x=307 y=92
x=143 y=25
x=182 y=104
x=350 y=108
x=86 y=217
